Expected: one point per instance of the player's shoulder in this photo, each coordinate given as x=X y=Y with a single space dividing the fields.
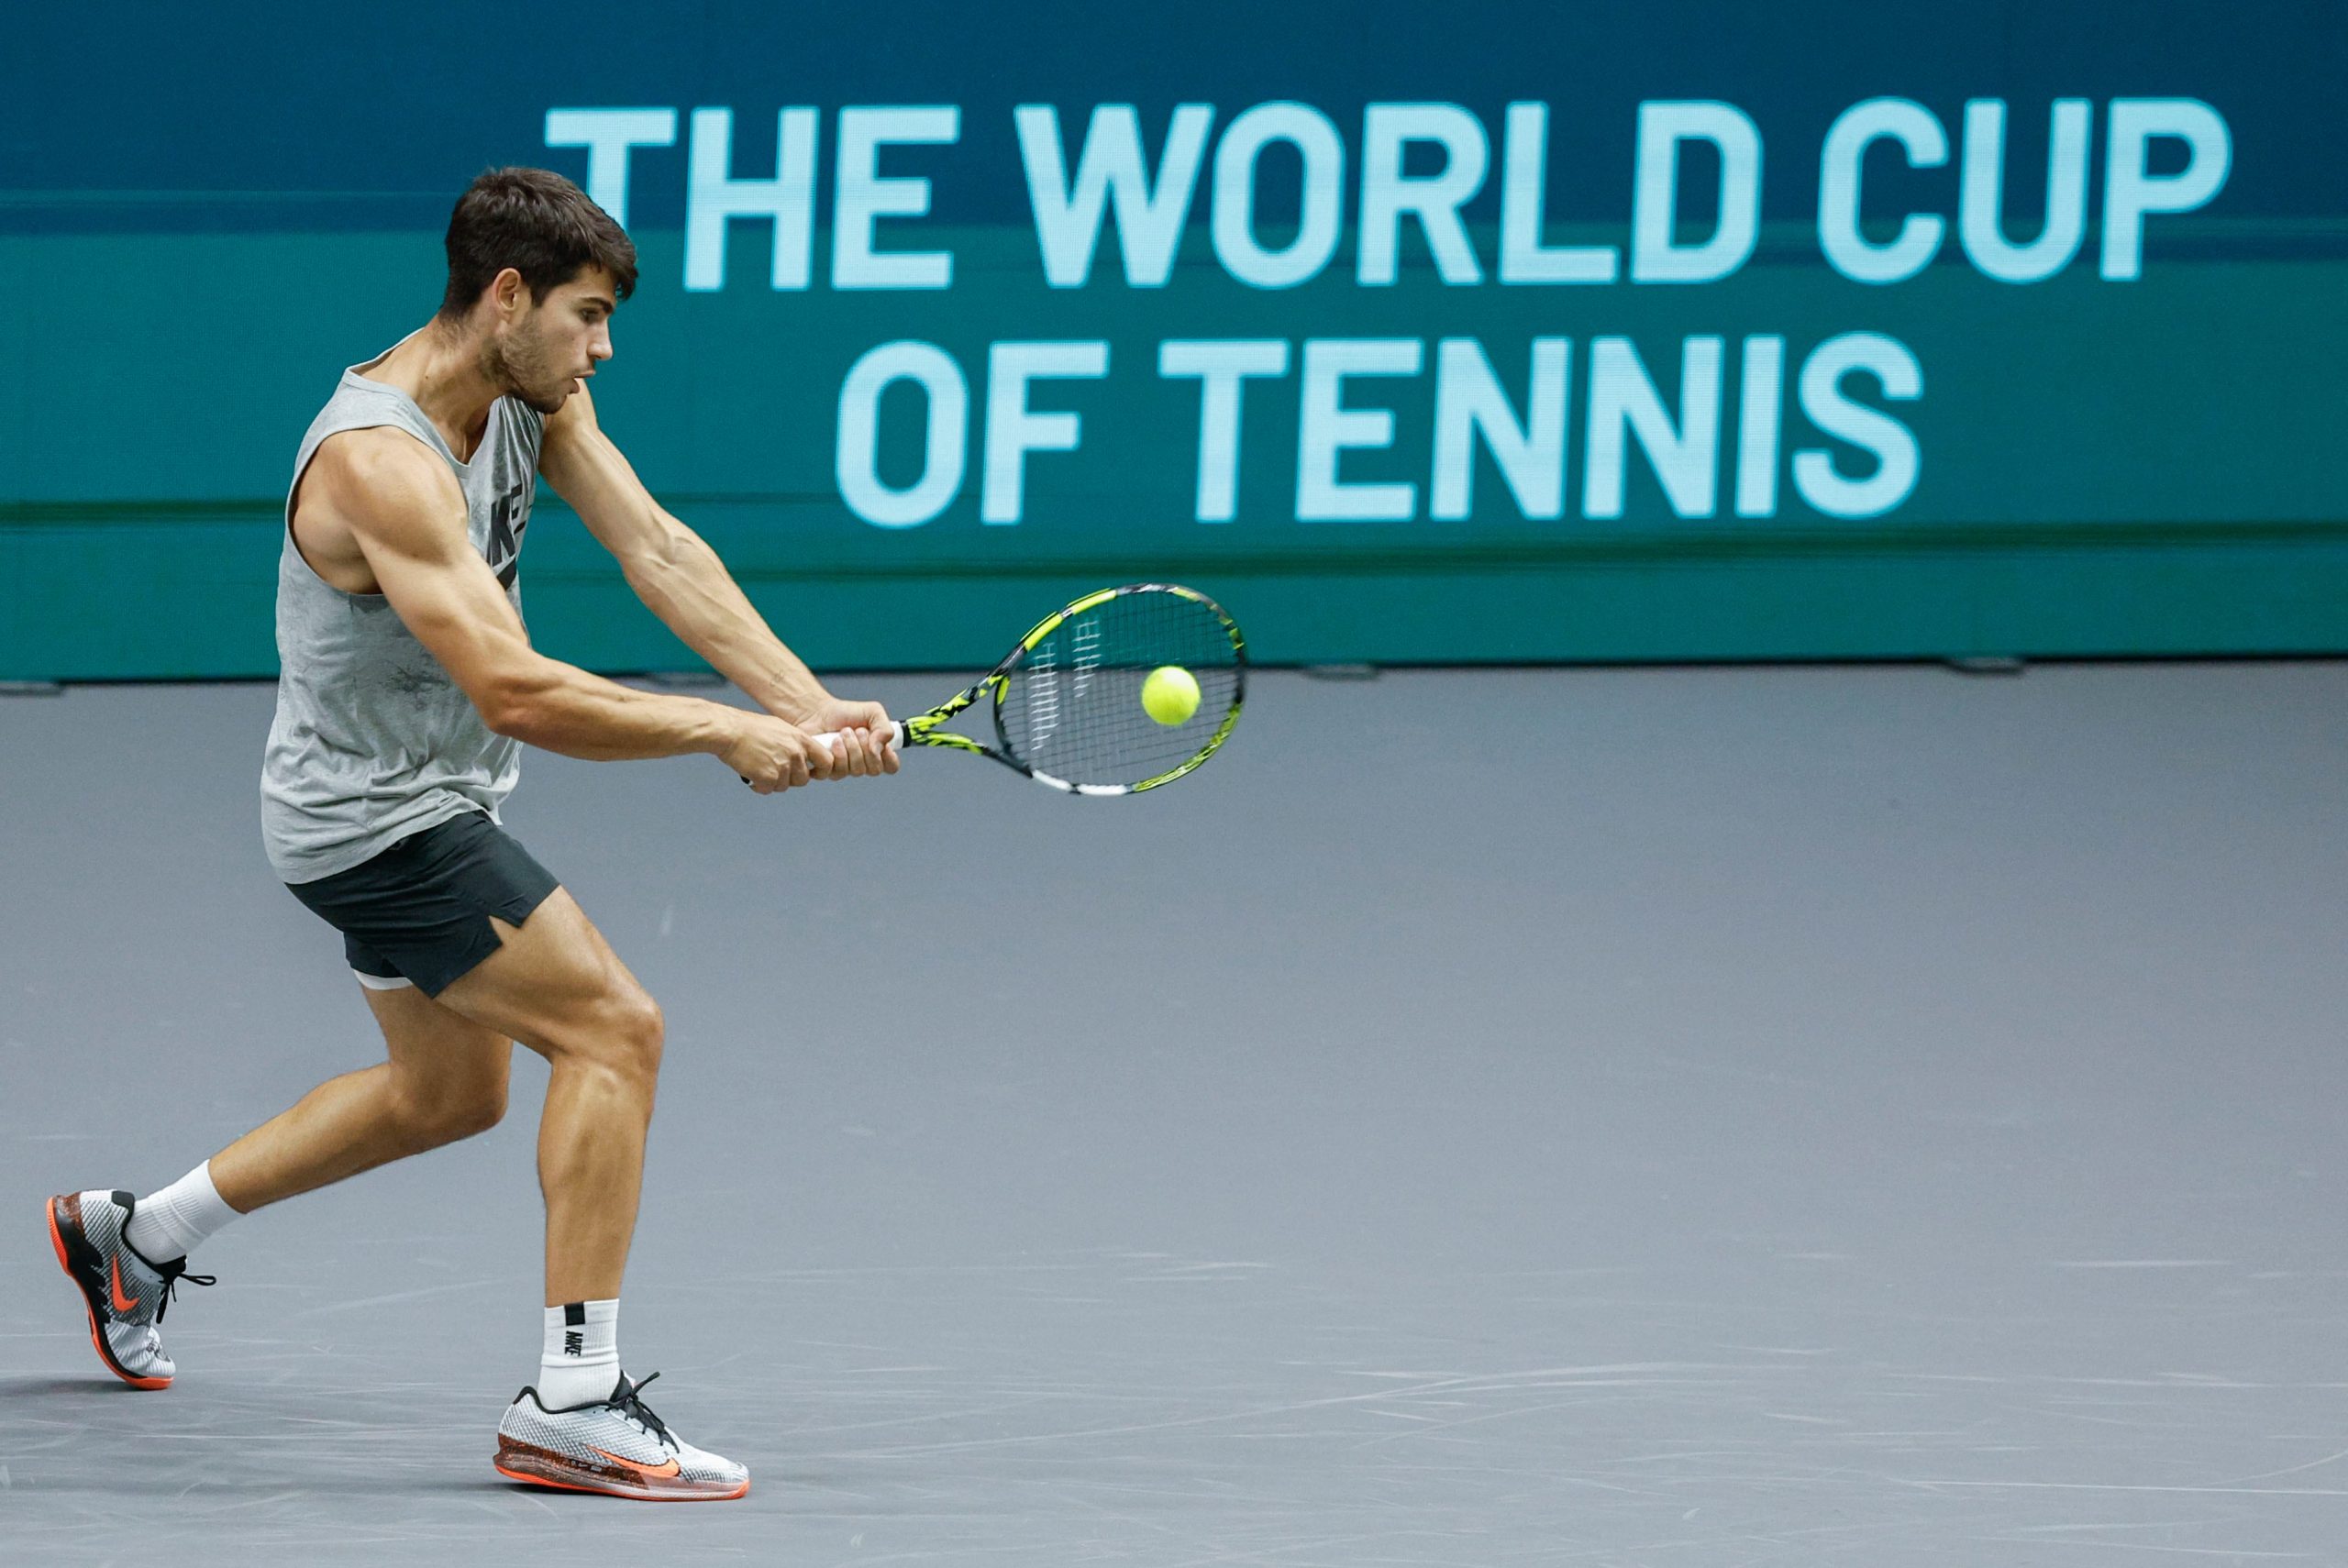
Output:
x=382 y=463
x=388 y=487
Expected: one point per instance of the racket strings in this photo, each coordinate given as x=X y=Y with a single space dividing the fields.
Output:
x=1072 y=707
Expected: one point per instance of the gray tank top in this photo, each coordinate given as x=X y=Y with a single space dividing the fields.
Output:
x=373 y=740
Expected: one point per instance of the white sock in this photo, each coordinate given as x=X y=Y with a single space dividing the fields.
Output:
x=174 y=1222
x=580 y=1363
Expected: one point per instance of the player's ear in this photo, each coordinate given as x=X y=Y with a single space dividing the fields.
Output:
x=507 y=292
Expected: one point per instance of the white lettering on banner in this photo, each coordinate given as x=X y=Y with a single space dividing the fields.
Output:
x=856 y=453
x=2162 y=157
x=1233 y=223
x=1759 y=410
x=1523 y=258
x=861 y=196
x=1469 y=404
x=607 y=135
x=1388 y=194
x=1656 y=256
x=1013 y=430
x=1111 y=177
x=713 y=196
x=1839 y=168
x=1979 y=224
x=1326 y=427
x=1623 y=399
x=1893 y=443
x=1222 y=367
x=1112 y=185
x=2131 y=190
x=1471 y=408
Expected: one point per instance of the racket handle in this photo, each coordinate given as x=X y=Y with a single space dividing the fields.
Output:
x=831 y=738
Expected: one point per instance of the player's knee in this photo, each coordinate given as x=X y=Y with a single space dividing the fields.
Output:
x=466 y=1118
x=635 y=1032
x=620 y=1033
x=476 y=1114
x=429 y=1121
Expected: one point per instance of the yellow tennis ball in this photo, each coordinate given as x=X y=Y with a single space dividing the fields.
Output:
x=1170 y=695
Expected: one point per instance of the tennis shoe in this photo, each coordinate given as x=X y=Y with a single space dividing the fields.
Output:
x=126 y=1294
x=617 y=1446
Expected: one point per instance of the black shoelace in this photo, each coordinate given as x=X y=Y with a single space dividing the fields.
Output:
x=175 y=1271
x=627 y=1400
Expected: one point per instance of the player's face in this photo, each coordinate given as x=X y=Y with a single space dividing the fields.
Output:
x=555 y=344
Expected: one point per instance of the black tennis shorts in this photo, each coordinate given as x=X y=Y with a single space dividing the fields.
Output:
x=418 y=913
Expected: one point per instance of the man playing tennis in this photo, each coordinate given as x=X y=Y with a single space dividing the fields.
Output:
x=408 y=689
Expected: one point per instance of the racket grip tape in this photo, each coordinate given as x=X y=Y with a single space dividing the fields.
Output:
x=896 y=735
x=831 y=739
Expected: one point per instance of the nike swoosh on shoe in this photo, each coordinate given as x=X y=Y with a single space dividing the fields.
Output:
x=667 y=1470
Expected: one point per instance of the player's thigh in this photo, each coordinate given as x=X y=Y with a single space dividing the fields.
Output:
x=441 y=1058
x=555 y=985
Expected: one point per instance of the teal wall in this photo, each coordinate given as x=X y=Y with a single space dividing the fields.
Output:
x=2107 y=466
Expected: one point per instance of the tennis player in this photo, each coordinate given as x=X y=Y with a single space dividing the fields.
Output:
x=408 y=689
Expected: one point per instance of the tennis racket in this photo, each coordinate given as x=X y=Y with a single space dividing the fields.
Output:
x=1067 y=700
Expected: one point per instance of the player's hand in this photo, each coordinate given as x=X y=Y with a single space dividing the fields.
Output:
x=772 y=755
x=867 y=746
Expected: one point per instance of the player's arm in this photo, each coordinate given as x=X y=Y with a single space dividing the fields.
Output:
x=682 y=580
x=404 y=510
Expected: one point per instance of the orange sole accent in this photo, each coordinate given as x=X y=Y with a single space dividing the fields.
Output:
x=97 y=1342
x=743 y=1491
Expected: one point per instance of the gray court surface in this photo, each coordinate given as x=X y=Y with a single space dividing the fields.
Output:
x=1675 y=1118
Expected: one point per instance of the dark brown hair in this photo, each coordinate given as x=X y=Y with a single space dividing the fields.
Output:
x=540 y=225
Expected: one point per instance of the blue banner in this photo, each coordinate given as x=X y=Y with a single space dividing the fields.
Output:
x=1595 y=331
